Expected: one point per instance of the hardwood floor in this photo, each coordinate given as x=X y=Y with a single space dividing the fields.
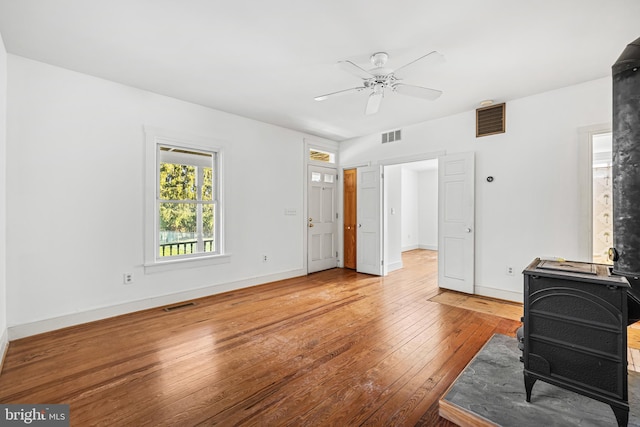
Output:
x=332 y=348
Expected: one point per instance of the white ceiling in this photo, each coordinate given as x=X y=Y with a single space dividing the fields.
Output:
x=267 y=60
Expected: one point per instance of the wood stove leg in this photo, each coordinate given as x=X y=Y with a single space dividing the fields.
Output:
x=622 y=415
x=528 y=385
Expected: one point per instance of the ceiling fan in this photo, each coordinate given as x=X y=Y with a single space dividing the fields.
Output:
x=380 y=78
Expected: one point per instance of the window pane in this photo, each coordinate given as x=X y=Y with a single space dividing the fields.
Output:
x=328 y=177
x=316 y=176
x=207 y=184
x=208 y=228
x=321 y=156
x=177 y=182
x=177 y=228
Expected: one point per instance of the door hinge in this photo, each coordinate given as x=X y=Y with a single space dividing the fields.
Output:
x=336 y=215
x=382 y=175
x=382 y=262
x=337 y=177
x=336 y=254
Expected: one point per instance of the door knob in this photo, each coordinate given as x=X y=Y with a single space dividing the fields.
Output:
x=468 y=230
x=310 y=225
x=310 y=219
x=359 y=225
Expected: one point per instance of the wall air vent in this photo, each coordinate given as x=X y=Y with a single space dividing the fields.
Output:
x=394 y=135
x=490 y=120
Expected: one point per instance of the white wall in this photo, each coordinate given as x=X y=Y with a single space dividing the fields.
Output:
x=393 y=217
x=428 y=209
x=3 y=200
x=75 y=198
x=410 y=215
x=532 y=207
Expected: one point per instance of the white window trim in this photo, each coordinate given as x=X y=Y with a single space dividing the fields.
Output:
x=153 y=137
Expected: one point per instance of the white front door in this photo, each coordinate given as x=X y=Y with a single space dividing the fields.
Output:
x=369 y=231
x=322 y=224
x=456 y=222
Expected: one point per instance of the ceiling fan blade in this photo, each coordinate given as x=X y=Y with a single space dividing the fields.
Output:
x=417 y=91
x=340 y=92
x=373 y=103
x=354 y=69
x=430 y=58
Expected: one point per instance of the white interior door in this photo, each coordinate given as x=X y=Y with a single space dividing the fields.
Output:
x=456 y=222
x=322 y=224
x=369 y=231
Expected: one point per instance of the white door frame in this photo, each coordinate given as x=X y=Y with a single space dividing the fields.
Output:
x=400 y=161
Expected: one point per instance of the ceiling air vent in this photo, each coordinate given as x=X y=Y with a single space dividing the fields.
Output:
x=490 y=120
x=394 y=135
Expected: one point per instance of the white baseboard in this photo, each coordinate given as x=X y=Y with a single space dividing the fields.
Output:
x=4 y=346
x=429 y=247
x=47 y=325
x=499 y=293
x=394 y=266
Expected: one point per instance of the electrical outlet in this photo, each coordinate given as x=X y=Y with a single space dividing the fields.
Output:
x=127 y=278
x=509 y=270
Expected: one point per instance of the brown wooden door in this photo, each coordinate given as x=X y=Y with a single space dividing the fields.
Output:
x=350 y=206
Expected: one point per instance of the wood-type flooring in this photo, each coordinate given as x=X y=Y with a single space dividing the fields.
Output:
x=334 y=348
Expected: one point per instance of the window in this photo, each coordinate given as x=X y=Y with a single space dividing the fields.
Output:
x=183 y=208
x=601 y=189
x=321 y=156
x=186 y=202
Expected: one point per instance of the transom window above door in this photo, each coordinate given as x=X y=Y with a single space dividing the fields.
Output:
x=321 y=156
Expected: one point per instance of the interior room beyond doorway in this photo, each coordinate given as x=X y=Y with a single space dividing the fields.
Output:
x=411 y=209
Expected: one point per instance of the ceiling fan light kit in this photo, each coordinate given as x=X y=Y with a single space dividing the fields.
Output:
x=379 y=59
x=380 y=78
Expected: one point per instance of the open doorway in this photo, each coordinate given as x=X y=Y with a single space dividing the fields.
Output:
x=410 y=219
x=380 y=227
x=411 y=210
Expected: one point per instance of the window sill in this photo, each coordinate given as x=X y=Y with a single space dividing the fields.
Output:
x=178 y=264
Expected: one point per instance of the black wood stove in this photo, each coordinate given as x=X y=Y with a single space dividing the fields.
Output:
x=575 y=331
